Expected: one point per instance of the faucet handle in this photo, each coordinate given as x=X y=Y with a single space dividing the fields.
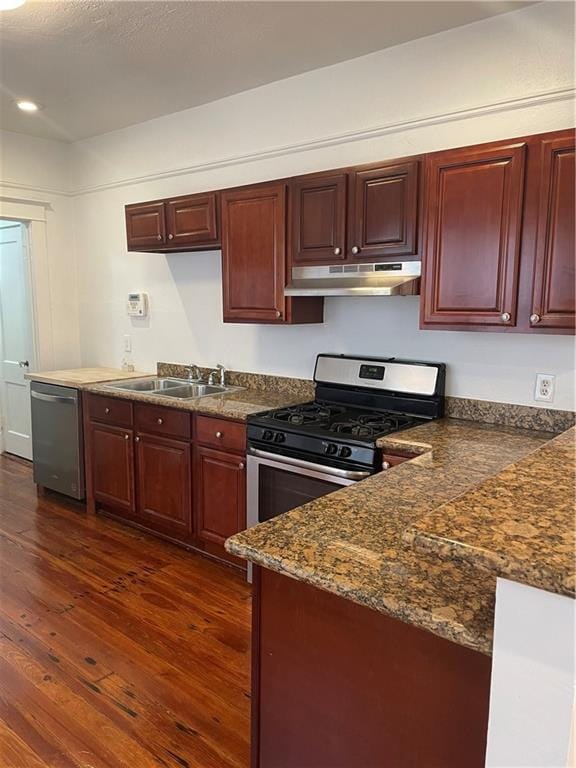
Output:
x=222 y=371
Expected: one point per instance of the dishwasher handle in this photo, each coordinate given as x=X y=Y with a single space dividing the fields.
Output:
x=52 y=398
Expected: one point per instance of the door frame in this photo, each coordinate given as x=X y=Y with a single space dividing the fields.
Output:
x=32 y=215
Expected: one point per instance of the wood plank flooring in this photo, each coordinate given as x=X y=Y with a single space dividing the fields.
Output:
x=117 y=650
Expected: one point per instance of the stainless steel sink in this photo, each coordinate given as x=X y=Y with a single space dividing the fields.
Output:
x=170 y=387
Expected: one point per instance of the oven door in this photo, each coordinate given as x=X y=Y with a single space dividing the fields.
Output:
x=277 y=484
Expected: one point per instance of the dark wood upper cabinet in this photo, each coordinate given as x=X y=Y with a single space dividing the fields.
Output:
x=145 y=226
x=111 y=460
x=318 y=216
x=192 y=220
x=474 y=200
x=164 y=483
x=254 y=259
x=554 y=287
x=384 y=212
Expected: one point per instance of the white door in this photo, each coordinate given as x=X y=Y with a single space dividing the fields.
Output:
x=16 y=338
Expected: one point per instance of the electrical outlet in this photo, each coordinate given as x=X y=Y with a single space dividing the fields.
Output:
x=127 y=343
x=545 y=383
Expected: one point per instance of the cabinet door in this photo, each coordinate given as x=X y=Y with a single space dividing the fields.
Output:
x=384 y=212
x=192 y=221
x=474 y=199
x=111 y=464
x=554 y=283
x=164 y=476
x=220 y=509
x=254 y=253
x=318 y=214
x=145 y=226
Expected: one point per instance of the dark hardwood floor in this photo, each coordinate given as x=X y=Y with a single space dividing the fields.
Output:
x=117 y=650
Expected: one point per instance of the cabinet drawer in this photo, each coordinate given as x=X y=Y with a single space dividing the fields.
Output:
x=221 y=433
x=111 y=410
x=162 y=421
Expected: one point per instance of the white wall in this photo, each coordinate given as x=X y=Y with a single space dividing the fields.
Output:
x=499 y=78
x=34 y=178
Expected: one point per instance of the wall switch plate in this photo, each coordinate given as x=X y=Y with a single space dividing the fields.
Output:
x=545 y=383
x=127 y=343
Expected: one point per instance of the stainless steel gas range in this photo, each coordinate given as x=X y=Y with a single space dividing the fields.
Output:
x=302 y=452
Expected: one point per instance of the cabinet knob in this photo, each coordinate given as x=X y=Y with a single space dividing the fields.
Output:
x=355 y=249
x=126 y=437
x=170 y=236
x=106 y=410
x=137 y=439
x=385 y=465
x=158 y=237
x=278 y=313
x=337 y=251
x=159 y=421
x=535 y=319
x=241 y=465
x=219 y=434
x=505 y=317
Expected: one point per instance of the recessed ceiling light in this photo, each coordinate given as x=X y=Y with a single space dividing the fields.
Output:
x=27 y=106
x=8 y=5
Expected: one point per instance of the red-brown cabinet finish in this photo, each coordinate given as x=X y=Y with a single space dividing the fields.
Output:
x=111 y=466
x=474 y=199
x=384 y=212
x=145 y=226
x=220 y=508
x=554 y=287
x=164 y=477
x=318 y=215
x=192 y=220
x=254 y=259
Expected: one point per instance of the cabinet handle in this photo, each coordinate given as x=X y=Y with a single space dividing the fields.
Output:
x=535 y=319
x=386 y=465
x=241 y=465
x=337 y=251
x=159 y=421
x=355 y=249
x=158 y=237
x=106 y=410
x=278 y=313
x=219 y=434
x=137 y=439
x=505 y=317
x=170 y=236
x=126 y=437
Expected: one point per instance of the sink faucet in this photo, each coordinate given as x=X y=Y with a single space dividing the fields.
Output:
x=193 y=372
x=220 y=372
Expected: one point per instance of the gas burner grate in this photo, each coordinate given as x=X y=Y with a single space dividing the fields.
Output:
x=370 y=425
x=310 y=413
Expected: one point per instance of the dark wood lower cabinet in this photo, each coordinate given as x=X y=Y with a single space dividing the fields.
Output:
x=337 y=685
x=164 y=485
x=110 y=466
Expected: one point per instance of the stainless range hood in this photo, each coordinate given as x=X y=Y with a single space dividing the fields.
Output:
x=383 y=279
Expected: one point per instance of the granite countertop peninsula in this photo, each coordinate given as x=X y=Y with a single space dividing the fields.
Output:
x=79 y=378
x=351 y=542
x=519 y=524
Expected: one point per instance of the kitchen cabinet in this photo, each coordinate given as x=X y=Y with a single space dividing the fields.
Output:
x=318 y=212
x=143 y=467
x=554 y=287
x=183 y=223
x=384 y=212
x=474 y=201
x=254 y=259
x=110 y=467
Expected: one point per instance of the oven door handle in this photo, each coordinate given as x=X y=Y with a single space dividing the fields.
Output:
x=335 y=471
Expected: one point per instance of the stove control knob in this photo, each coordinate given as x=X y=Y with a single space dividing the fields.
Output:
x=279 y=437
x=345 y=451
x=267 y=435
x=331 y=449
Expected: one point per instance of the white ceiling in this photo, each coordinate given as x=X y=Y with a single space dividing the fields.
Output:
x=99 y=65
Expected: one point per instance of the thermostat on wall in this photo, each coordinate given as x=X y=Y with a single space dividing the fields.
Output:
x=137 y=304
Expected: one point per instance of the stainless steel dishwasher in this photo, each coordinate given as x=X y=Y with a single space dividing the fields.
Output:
x=57 y=438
